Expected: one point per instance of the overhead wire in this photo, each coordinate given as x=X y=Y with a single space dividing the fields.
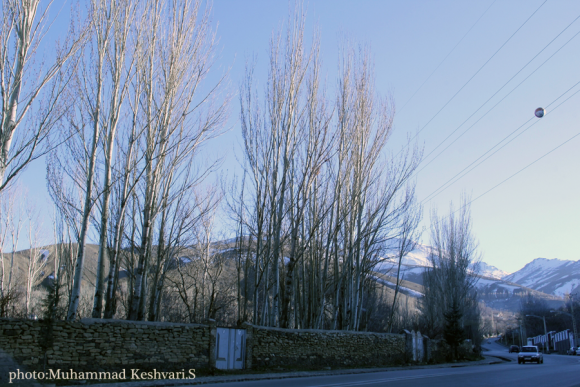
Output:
x=447 y=56
x=507 y=135
x=501 y=100
x=527 y=166
x=470 y=79
x=455 y=178
x=478 y=71
x=516 y=173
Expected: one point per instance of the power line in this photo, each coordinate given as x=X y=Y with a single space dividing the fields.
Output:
x=507 y=135
x=477 y=72
x=450 y=182
x=508 y=178
x=447 y=56
x=494 y=106
x=455 y=178
x=524 y=168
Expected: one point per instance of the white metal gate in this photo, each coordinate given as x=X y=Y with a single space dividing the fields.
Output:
x=230 y=347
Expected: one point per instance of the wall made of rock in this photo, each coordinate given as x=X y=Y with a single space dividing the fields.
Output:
x=287 y=348
x=105 y=345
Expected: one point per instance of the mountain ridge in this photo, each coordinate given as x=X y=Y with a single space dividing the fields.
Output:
x=549 y=275
x=420 y=257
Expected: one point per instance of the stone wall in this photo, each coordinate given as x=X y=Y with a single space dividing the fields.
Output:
x=109 y=345
x=275 y=347
x=114 y=345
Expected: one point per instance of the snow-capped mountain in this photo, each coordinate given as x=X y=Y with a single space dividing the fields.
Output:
x=552 y=276
x=486 y=270
x=420 y=257
x=495 y=287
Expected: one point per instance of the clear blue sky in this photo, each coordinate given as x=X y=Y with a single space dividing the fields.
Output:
x=534 y=214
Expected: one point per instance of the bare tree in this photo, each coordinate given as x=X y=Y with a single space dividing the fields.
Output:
x=120 y=59
x=90 y=85
x=271 y=139
x=11 y=222
x=32 y=95
x=405 y=244
x=64 y=253
x=374 y=194
x=179 y=48
x=450 y=282
x=321 y=199
x=127 y=179
x=37 y=258
x=182 y=209
x=204 y=277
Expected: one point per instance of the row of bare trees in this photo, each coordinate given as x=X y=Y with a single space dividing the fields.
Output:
x=321 y=203
x=323 y=198
x=34 y=80
x=131 y=166
x=122 y=113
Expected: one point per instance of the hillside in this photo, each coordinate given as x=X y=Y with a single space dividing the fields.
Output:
x=497 y=289
x=552 y=276
x=548 y=279
x=419 y=257
x=46 y=265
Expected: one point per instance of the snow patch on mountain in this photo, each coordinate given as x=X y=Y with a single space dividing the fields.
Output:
x=402 y=289
x=487 y=270
x=420 y=257
x=567 y=287
x=495 y=285
x=552 y=276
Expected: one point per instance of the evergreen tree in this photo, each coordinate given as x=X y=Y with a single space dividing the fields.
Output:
x=453 y=332
x=52 y=310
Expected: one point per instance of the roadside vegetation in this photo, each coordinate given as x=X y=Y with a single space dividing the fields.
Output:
x=142 y=229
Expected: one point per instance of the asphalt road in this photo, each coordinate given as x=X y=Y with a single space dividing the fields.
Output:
x=557 y=370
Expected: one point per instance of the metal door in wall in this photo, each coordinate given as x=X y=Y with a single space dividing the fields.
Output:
x=230 y=348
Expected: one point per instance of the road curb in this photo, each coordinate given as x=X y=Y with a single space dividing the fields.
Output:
x=288 y=375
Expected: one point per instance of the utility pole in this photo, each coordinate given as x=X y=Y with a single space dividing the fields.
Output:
x=521 y=336
x=545 y=330
x=571 y=297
